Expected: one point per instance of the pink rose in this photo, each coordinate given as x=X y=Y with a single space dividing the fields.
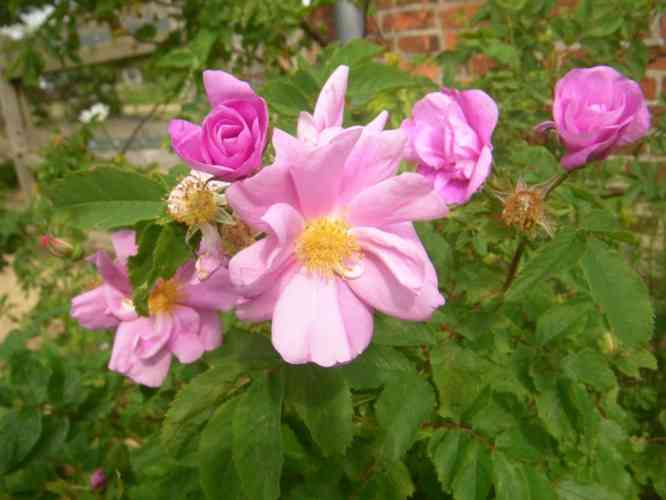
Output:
x=230 y=141
x=449 y=138
x=183 y=320
x=339 y=242
x=597 y=110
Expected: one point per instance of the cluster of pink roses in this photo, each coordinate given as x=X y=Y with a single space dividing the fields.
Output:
x=336 y=217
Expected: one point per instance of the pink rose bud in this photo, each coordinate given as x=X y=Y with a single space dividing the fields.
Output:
x=595 y=111
x=450 y=140
x=97 y=480
x=56 y=246
x=230 y=141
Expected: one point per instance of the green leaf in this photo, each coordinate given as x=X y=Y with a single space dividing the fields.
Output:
x=284 y=97
x=257 y=439
x=107 y=198
x=375 y=366
x=445 y=450
x=473 y=480
x=30 y=377
x=392 y=483
x=404 y=403
x=438 y=249
x=503 y=53
x=589 y=367
x=252 y=351
x=509 y=478
x=555 y=411
x=574 y=490
x=352 y=53
x=369 y=79
x=561 y=319
x=620 y=292
x=630 y=362
x=217 y=473
x=555 y=257
x=460 y=376
x=193 y=405
x=517 y=481
x=397 y=332
x=162 y=250
x=323 y=400
x=20 y=431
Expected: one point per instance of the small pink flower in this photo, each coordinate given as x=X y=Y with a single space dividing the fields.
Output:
x=450 y=140
x=339 y=242
x=183 y=320
x=597 y=110
x=230 y=141
x=97 y=480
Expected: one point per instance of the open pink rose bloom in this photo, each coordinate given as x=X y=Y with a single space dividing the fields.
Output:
x=339 y=241
x=183 y=319
x=229 y=143
x=450 y=140
x=596 y=110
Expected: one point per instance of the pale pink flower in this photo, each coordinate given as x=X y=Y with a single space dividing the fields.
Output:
x=339 y=242
x=230 y=142
x=450 y=141
x=183 y=319
x=595 y=111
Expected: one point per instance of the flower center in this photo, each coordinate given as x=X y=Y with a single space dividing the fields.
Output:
x=163 y=297
x=195 y=201
x=325 y=247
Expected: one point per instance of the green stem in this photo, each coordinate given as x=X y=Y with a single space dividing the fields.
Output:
x=513 y=267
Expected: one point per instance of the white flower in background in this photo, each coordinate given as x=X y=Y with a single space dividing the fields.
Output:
x=30 y=22
x=306 y=3
x=98 y=112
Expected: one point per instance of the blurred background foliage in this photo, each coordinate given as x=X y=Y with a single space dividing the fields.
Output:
x=553 y=390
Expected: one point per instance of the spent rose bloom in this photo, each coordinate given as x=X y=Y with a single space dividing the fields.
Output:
x=596 y=110
x=230 y=141
x=339 y=243
x=450 y=140
x=198 y=201
x=183 y=321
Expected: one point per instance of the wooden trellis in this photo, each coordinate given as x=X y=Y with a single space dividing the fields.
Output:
x=16 y=111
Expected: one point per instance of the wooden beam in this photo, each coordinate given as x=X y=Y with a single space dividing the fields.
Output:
x=17 y=134
x=121 y=48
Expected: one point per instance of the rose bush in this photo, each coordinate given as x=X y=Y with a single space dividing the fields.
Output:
x=341 y=373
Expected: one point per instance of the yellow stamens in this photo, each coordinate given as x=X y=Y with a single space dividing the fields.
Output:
x=196 y=200
x=325 y=247
x=163 y=297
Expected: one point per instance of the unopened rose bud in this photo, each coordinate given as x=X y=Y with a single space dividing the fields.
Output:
x=608 y=343
x=97 y=480
x=56 y=246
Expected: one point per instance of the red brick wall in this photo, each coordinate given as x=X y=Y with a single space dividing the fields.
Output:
x=416 y=27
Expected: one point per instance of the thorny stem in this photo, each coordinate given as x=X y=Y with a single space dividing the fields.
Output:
x=520 y=249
